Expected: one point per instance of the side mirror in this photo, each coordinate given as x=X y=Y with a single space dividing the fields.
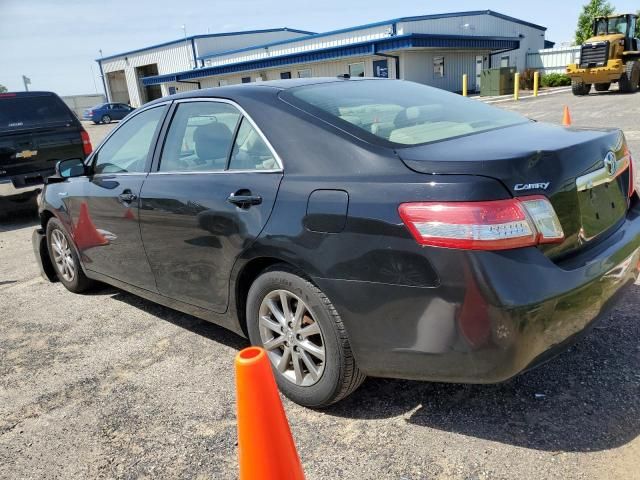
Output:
x=72 y=167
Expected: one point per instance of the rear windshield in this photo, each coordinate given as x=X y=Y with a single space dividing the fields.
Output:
x=17 y=113
x=401 y=112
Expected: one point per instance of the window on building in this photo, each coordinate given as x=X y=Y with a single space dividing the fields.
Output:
x=356 y=69
x=200 y=137
x=250 y=152
x=285 y=75
x=223 y=82
x=126 y=151
x=504 y=61
x=305 y=73
x=246 y=79
x=438 y=66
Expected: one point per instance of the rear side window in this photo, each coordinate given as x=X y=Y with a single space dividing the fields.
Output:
x=200 y=137
x=20 y=112
x=399 y=112
x=250 y=152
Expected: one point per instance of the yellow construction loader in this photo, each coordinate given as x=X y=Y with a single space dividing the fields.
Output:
x=611 y=55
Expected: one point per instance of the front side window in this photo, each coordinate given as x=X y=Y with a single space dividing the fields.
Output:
x=250 y=152
x=127 y=150
x=399 y=112
x=200 y=137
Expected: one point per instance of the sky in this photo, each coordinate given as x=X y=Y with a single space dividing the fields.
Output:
x=55 y=42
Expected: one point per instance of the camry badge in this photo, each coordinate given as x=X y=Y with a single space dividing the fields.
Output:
x=531 y=186
x=26 y=154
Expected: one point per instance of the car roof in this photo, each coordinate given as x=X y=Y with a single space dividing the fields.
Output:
x=28 y=94
x=245 y=89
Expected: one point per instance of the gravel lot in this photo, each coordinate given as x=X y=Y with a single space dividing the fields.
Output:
x=107 y=385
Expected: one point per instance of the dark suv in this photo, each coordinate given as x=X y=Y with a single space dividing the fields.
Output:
x=36 y=130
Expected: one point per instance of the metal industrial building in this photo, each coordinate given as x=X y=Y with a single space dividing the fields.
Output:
x=431 y=49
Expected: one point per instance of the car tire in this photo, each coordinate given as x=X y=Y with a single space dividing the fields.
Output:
x=106 y=119
x=337 y=375
x=579 y=88
x=64 y=258
x=602 y=87
x=630 y=79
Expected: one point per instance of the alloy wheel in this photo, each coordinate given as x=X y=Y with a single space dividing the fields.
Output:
x=62 y=256
x=292 y=338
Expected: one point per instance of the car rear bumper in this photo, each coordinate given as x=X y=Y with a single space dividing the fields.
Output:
x=499 y=314
x=19 y=184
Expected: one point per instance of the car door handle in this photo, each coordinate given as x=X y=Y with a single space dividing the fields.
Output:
x=244 y=199
x=127 y=197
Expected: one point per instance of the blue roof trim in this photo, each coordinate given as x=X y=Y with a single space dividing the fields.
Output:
x=391 y=23
x=208 y=35
x=355 y=49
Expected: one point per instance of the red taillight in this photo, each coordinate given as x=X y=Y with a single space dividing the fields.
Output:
x=490 y=225
x=633 y=171
x=86 y=142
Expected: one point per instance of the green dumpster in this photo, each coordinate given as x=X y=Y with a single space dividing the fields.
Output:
x=497 y=81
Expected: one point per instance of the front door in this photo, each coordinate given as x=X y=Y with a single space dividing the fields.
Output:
x=106 y=229
x=209 y=199
x=479 y=66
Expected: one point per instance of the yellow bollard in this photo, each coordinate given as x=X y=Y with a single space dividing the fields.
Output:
x=516 y=86
x=464 y=85
x=536 y=83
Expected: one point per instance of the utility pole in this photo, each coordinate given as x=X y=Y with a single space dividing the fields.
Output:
x=27 y=81
x=104 y=83
x=186 y=42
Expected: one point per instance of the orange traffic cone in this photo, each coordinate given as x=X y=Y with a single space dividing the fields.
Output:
x=266 y=449
x=566 y=117
x=86 y=234
x=128 y=214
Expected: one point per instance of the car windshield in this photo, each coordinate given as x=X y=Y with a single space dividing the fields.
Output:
x=19 y=112
x=99 y=106
x=402 y=112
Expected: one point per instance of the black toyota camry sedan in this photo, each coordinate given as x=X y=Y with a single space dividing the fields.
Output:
x=354 y=227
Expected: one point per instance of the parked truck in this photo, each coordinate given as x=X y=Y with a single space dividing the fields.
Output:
x=37 y=130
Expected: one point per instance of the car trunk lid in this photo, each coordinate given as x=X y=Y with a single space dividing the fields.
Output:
x=535 y=158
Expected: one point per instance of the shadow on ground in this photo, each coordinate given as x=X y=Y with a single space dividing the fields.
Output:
x=16 y=214
x=182 y=320
x=586 y=399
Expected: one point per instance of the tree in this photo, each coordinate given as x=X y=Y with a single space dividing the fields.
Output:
x=593 y=9
x=3 y=89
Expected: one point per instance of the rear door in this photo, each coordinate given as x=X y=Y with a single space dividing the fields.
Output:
x=209 y=197
x=119 y=111
x=104 y=206
x=36 y=130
